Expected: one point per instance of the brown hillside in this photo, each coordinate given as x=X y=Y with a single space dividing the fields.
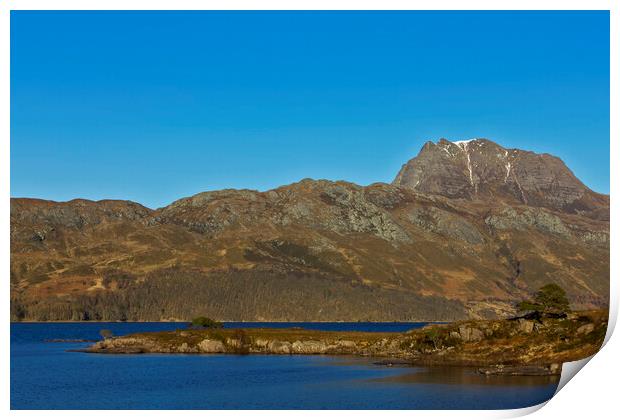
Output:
x=435 y=245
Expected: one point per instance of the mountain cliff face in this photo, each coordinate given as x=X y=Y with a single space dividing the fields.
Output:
x=465 y=230
x=483 y=170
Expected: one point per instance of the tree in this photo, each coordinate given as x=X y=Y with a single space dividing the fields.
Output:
x=549 y=300
x=204 y=322
x=432 y=336
x=106 y=334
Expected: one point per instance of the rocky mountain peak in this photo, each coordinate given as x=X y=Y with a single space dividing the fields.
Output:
x=480 y=169
x=469 y=228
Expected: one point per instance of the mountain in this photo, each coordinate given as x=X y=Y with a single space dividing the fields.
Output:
x=465 y=230
x=482 y=169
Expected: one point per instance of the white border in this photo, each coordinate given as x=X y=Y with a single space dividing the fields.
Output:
x=591 y=396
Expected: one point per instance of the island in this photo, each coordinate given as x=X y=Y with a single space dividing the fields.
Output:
x=517 y=346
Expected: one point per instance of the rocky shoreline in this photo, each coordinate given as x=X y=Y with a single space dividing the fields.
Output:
x=498 y=347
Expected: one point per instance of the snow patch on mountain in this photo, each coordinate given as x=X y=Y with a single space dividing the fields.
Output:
x=464 y=142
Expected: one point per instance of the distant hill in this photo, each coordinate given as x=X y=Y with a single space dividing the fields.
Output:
x=464 y=231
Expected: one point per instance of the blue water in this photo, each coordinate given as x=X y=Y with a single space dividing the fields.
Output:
x=45 y=376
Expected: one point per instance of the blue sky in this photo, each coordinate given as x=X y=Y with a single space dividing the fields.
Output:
x=154 y=106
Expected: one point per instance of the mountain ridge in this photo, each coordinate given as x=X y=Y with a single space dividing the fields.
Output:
x=318 y=249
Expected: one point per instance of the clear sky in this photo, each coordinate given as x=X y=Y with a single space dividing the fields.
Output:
x=154 y=106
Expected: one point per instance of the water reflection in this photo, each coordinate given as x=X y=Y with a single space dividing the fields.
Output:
x=465 y=376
